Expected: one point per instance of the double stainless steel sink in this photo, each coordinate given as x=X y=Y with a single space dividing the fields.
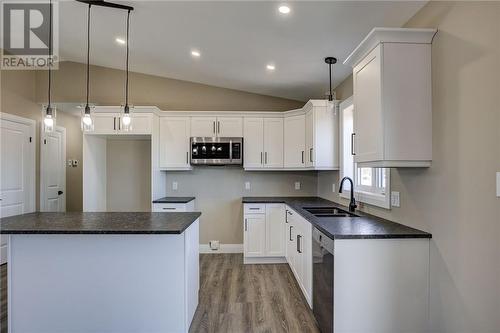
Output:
x=328 y=212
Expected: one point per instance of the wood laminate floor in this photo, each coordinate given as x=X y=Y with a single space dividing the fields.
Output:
x=235 y=298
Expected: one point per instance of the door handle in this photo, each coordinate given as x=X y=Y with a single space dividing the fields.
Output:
x=352 y=143
x=59 y=192
x=291 y=227
x=246 y=225
x=299 y=237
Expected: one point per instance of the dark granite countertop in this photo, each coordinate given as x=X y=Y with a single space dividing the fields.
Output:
x=363 y=226
x=174 y=200
x=98 y=223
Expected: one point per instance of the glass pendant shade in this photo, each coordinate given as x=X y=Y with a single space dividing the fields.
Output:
x=49 y=118
x=126 y=119
x=87 y=122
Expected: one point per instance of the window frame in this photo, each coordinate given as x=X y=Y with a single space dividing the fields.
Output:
x=365 y=194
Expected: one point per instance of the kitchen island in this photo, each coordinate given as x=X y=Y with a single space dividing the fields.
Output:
x=102 y=272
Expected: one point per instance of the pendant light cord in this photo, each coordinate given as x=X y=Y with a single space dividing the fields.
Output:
x=88 y=58
x=330 y=98
x=50 y=54
x=126 y=79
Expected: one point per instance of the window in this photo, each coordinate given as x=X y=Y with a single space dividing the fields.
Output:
x=371 y=185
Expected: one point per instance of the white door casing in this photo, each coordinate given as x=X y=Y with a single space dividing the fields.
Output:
x=53 y=170
x=17 y=169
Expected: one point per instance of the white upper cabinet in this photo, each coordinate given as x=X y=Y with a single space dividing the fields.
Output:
x=216 y=126
x=230 y=127
x=253 y=142
x=174 y=143
x=273 y=142
x=393 y=98
x=263 y=143
x=321 y=135
x=107 y=121
x=203 y=126
x=295 y=141
x=104 y=123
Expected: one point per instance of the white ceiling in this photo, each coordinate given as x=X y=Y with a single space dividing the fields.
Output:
x=237 y=39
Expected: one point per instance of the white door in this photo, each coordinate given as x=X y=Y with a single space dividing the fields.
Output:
x=273 y=142
x=253 y=142
x=53 y=170
x=275 y=232
x=309 y=119
x=105 y=123
x=295 y=137
x=203 y=126
x=174 y=142
x=368 y=123
x=230 y=127
x=17 y=170
x=254 y=235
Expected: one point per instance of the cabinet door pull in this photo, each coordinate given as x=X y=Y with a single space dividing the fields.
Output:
x=352 y=143
x=291 y=227
x=114 y=123
x=299 y=237
x=302 y=157
x=246 y=225
x=265 y=157
x=310 y=155
x=187 y=157
x=286 y=216
x=218 y=126
x=213 y=127
x=261 y=158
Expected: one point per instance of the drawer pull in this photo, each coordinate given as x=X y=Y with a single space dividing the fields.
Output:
x=168 y=208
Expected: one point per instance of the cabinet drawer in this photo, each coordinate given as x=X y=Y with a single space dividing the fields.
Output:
x=255 y=208
x=169 y=207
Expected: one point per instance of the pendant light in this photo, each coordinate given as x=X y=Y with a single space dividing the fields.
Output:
x=331 y=104
x=49 y=118
x=126 y=118
x=87 y=121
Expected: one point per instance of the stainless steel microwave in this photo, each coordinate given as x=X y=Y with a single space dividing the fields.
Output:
x=216 y=151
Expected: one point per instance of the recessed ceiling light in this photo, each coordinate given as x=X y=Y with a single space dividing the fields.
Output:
x=195 y=53
x=120 y=41
x=284 y=9
x=271 y=67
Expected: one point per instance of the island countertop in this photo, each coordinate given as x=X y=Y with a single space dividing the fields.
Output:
x=98 y=223
x=363 y=226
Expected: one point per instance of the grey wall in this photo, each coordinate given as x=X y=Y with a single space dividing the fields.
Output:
x=128 y=175
x=218 y=192
x=455 y=198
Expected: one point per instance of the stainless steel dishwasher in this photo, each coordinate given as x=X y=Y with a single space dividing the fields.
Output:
x=322 y=249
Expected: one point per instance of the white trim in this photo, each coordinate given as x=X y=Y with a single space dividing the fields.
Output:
x=264 y=260
x=42 y=167
x=224 y=248
x=388 y=35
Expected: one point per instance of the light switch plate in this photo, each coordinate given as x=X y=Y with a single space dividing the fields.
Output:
x=247 y=185
x=174 y=186
x=395 y=199
x=333 y=188
x=297 y=185
x=498 y=184
x=70 y=163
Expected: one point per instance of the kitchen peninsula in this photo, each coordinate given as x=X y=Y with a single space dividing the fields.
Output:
x=102 y=272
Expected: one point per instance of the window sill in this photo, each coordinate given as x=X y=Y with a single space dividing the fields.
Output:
x=374 y=199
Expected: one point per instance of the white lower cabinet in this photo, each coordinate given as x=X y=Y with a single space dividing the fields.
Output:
x=173 y=207
x=299 y=251
x=264 y=236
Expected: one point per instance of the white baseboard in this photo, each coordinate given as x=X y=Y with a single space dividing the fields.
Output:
x=224 y=248
x=264 y=260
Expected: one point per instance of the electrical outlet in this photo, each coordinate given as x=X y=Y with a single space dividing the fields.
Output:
x=333 y=188
x=395 y=199
x=247 y=185
x=297 y=185
x=214 y=245
x=174 y=186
